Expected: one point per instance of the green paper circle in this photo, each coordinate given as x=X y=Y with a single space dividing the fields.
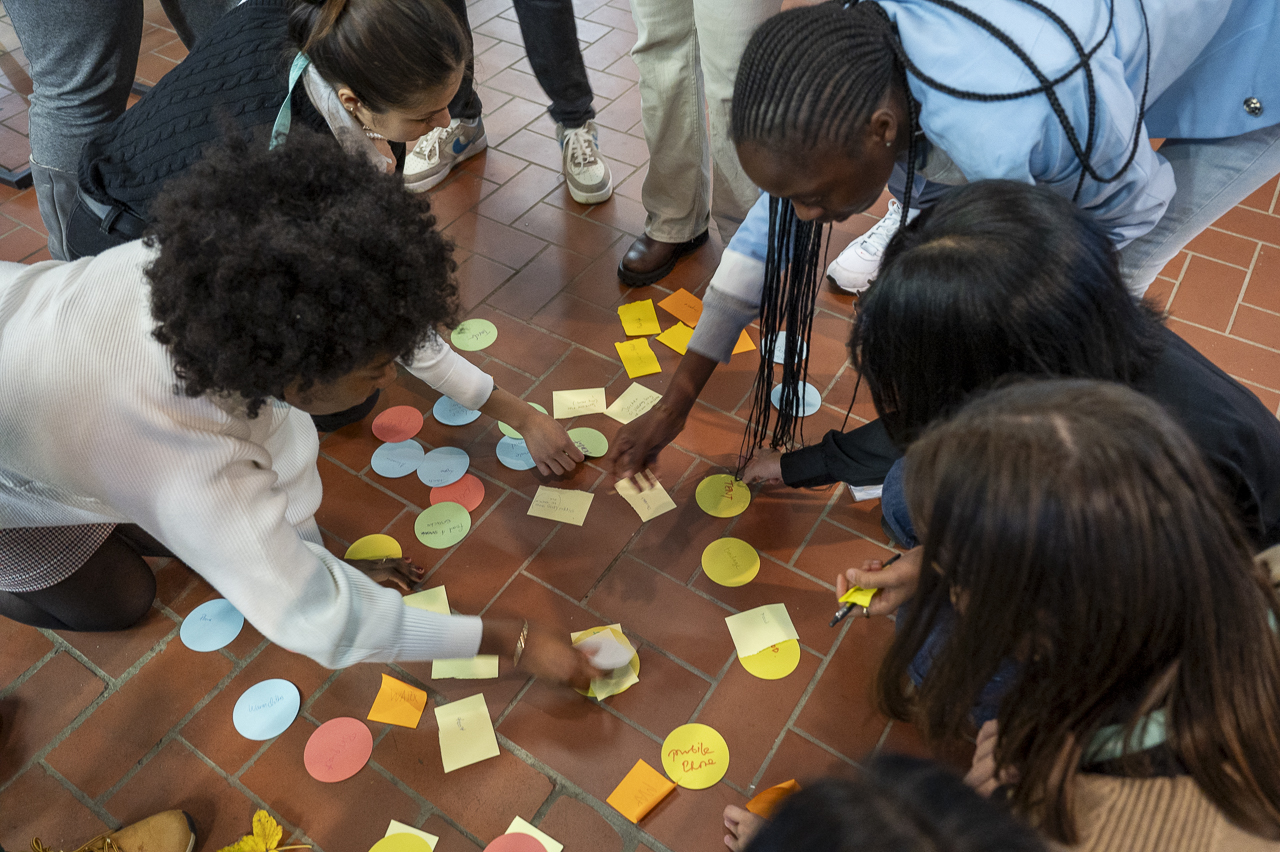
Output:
x=443 y=525
x=512 y=433
x=474 y=335
x=590 y=441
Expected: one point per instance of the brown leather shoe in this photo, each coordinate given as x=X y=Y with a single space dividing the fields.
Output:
x=168 y=831
x=649 y=260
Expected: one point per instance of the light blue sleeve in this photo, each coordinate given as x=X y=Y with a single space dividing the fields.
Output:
x=752 y=238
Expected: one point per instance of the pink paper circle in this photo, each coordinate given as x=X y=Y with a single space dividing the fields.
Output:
x=515 y=842
x=467 y=491
x=338 y=749
x=398 y=423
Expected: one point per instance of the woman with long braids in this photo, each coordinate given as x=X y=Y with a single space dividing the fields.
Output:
x=1072 y=528
x=372 y=74
x=831 y=99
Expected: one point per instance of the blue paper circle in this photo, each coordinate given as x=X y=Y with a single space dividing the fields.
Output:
x=810 y=400
x=780 y=348
x=514 y=454
x=266 y=709
x=211 y=626
x=399 y=459
x=443 y=466
x=451 y=413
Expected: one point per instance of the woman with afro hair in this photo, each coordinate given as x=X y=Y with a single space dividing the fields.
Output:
x=157 y=399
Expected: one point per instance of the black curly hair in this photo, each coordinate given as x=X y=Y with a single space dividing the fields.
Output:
x=299 y=264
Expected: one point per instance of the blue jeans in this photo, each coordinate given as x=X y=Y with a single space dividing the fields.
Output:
x=551 y=42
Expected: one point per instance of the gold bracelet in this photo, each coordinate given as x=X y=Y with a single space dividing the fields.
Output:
x=524 y=635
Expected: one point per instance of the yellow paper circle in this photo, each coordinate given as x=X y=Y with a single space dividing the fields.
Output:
x=774 y=662
x=695 y=756
x=730 y=562
x=376 y=546
x=401 y=842
x=634 y=664
x=722 y=496
x=512 y=433
x=443 y=525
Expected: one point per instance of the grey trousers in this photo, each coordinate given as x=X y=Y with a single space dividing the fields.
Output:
x=83 y=55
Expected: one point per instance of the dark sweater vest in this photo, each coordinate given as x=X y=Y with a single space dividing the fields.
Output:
x=234 y=80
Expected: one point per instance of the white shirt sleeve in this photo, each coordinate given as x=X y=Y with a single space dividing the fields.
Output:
x=440 y=366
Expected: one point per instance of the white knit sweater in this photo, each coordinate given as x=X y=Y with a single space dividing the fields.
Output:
x=92 y=431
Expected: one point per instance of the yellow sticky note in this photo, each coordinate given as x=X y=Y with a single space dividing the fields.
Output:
x=695 y=756
x=757 y=629
x=571 y=403
x=730 y=562
x=858 y=596
x=683 y=305
x=375 y=546
x=638 y=358
x=639 y=318
x=774 y=662
x=397 y=827
x=635 y=400
x=398 y=703
x=466 y=668
x=432 y=600
x=561 y=504
x=677 y=337
x=744 y=343
x=466 y=733
x=764 y=803
x=640 y=792
x=722 y=496
x=648 y=504
x=620 y=679
x=519 y=826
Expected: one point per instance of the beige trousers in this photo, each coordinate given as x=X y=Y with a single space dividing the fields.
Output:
x=688 y=53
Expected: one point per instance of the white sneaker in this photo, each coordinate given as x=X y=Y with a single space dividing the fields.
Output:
x=439 y=151
x=853 y=270
x=587 y=175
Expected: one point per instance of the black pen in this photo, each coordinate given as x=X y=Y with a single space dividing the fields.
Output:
x=848 y=608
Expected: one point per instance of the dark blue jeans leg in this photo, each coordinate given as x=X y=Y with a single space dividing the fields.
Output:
x=551 y=41
x=466 y=103
x=924 y=193
x=893 y=505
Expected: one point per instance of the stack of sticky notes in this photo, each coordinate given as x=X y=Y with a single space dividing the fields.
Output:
x=640 y=792
x=640 y=321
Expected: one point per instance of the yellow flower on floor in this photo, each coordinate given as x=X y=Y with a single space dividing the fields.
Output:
x=266 y=834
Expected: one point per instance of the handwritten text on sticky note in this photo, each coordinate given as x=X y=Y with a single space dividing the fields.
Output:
x=561 y=504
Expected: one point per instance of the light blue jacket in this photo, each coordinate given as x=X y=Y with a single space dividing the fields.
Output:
x=1207 y=57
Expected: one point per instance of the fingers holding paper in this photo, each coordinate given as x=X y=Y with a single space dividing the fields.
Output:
x=897 y=582
x=549 y=655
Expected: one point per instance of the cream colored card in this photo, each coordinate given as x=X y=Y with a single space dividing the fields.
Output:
x=466 y=733
x=648 y=504
x=760 y=628
x=432 y=600
x=400 y=828
x=561 y=504
x=639 y=318
x=635 y=400
x=571 y=403
x=638 y=358
x=519 y=826
x=466 y=668
x=677 y=337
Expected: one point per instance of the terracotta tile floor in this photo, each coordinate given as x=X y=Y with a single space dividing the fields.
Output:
x=104 y=729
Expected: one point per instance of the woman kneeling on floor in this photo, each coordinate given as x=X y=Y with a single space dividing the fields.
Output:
x=157 y=396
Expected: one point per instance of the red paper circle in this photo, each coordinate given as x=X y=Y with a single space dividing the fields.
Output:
x=398 y=423
x=467 y=491
x=516 y=842
x=338 y=749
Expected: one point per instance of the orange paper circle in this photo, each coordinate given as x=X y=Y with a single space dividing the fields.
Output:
x=398 y=423
x=467 y=491
x=338 y=749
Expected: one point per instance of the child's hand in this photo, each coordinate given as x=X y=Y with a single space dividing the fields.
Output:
x=742 y=826
x=549 y=444
x=765 y=466
x=897 y=582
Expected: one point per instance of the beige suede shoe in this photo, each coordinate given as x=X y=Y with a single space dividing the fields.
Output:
x=170 y=831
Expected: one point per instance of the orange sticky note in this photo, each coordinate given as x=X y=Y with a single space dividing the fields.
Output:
x=684 y=306
x=764 y=803
x=638 y=358
x=398 y=703
x=744 y=343
x=677 y=337
x=640 y=791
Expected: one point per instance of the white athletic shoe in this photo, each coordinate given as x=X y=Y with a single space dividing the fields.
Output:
x=439 y=151
x=853 y=270
x=587 y=175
